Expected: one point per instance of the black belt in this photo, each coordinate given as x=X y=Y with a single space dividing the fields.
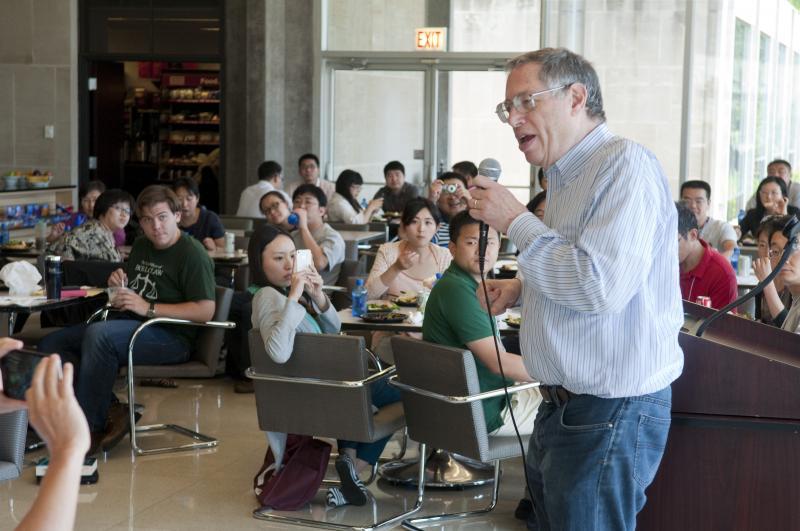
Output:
x=555 y=394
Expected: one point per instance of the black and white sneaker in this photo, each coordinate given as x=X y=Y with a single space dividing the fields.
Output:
x=352 y=488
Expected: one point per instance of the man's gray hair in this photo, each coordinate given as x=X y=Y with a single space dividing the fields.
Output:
x=560 y=66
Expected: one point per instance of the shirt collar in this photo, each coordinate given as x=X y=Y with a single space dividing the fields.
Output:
x=567 y=168
x=456 y=270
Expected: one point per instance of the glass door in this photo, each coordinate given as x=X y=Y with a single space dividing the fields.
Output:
x=377 y=116
x=470 y=129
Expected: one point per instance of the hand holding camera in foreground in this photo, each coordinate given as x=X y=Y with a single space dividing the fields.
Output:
x=58 y=419
x=7 y=405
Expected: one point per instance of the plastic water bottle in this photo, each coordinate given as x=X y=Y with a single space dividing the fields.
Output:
x=293 y=219
x=735 y=259
x=359 y=296
x=741 y=216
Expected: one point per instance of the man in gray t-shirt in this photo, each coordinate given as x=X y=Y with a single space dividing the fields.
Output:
x=326 y=245
x=719 y=234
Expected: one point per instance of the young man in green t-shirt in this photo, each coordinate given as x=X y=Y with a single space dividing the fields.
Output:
x=454 y=317
x=168 y=274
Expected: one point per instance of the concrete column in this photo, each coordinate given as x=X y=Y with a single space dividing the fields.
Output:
x=268 y=76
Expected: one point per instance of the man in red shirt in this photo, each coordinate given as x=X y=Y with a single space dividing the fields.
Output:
x=704 y=271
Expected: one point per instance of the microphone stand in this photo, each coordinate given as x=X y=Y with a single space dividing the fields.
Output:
x=790 y=231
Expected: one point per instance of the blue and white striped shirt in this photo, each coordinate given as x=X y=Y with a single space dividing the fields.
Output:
x=601 y=297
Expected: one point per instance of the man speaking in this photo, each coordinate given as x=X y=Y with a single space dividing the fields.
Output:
x=601 y=306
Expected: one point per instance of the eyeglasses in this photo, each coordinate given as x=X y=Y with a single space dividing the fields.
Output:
x=272 y=207
x=523 y=104
x=122 y=210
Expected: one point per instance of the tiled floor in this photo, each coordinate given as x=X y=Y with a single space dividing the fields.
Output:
x=212 y=489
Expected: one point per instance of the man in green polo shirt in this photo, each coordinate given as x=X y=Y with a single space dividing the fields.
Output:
x=453 y=317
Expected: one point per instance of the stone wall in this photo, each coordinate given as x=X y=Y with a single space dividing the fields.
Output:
x=38 y=71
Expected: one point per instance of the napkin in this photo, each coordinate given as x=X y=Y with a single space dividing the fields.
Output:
x=21 y=277
x=416 y=318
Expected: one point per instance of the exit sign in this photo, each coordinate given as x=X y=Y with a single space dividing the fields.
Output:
x=431 y=39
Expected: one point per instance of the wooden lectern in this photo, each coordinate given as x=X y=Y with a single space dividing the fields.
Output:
x=732 y=460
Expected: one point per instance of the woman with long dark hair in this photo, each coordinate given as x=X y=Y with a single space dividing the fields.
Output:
x=772 y=199
x=289 y=302
x=343 y=207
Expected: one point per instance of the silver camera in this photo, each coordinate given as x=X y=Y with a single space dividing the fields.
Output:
x=450 y=188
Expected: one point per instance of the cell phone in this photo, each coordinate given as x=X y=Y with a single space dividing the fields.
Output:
x=17 y=367
x=303 y=260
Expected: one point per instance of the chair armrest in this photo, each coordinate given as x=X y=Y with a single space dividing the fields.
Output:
x=101 y=312
x=385 y=373
x=374 y=358
x=462 y=399
x=171 y=320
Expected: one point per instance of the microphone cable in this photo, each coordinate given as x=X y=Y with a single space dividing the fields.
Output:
x=493 y=324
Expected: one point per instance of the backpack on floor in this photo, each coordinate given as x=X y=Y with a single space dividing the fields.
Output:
x=305 y=463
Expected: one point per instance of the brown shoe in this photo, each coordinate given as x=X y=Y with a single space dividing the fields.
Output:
x=117 y=425
x=95 y=446
x=243 y=386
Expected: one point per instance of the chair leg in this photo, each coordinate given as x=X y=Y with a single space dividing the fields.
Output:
x=412 y=523
x=199 y=440
x=266 y=514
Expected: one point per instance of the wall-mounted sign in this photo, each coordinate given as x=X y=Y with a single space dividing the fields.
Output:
x=431 y=39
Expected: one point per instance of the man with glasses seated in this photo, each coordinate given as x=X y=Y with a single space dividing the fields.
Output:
x=719 y=234
x=308 y=169
x=445 y=194
x=312 y=233
x=168 y=274
x=704 y=272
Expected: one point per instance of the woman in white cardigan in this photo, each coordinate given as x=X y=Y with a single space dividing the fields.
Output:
x=343 y=206
x=288 y=302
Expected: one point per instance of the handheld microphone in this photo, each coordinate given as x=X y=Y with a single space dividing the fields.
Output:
x=488 y=168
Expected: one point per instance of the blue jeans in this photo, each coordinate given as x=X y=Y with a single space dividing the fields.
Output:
x=383 y=394
x=102 y=348
x=590 y=460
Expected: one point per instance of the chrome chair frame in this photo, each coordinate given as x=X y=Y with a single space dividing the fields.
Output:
x=412 y=523
x=200 y=440
x=382 y=373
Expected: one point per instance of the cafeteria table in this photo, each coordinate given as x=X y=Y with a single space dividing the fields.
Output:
x=13 y=305
x=350 y=322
